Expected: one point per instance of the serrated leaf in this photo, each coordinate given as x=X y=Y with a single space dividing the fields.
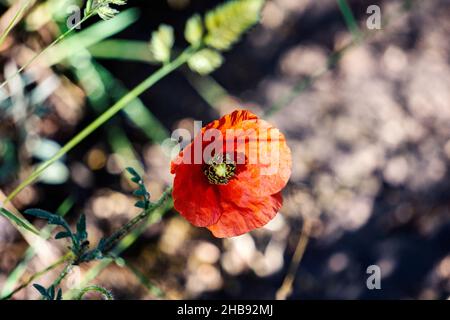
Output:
x=226 y=24
x=62 y=235
x=41 y=289
x=205 y=61
x=161 y=43
x=23 y=223
x=194 y=30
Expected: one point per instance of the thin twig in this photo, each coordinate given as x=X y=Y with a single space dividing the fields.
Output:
x=51 y=45
x=39 y=274
x=111 y=242
x=14 y=20
x=286 y=288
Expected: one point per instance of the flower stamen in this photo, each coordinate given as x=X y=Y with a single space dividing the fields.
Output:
x=219 y=170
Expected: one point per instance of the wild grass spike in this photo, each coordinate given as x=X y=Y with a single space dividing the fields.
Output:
x=227 y=23
x=102 y=8
x=205 y=61
x=161 y=43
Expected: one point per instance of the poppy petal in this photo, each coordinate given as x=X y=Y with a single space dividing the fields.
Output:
x=194 y=198
x=237 y=219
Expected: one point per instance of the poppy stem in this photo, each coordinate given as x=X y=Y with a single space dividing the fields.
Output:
x=286 y=288
x=133 y=223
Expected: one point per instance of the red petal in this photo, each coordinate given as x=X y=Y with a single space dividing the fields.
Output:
x=194 y=198
x=251 y=213
x=232 y=120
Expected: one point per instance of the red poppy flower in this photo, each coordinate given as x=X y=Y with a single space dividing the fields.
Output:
x=230 y=177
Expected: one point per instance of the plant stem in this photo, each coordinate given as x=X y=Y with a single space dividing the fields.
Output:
x=108 y=114
x=286 y=288
x=12 y=23
x=63 y=273
x=111 y=242
x=350 y=20
x=51 y=45
x=39 y=274
x=105 y=293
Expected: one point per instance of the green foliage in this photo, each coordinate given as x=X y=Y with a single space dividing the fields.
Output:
x=48 y=293
x=79 y=238
x=102 y=8
x=141 y=191
x=205 y=61
x=161 y=43
x=194 y=30
x=224 y=27
x=226 y=24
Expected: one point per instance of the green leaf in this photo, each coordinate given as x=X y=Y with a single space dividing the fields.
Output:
x=51 y=292
x=141 y=192
x=227 y=23
x=62 y=235
x=141 y=204
x=81 y=228
x=194 y=30
x=136 y=177
x=161 y=43
x=205 y=61
x=59 y=295
x=18 y=221
x=50 y=217
x=41 y=290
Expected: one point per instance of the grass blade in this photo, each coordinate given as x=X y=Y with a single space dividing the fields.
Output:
x=350 y=20
x=19 y=222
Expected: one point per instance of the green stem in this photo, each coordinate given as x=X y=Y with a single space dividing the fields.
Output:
x=51 y=45
x=12 y=23
x=350 y=20
x=63 y=273
x=111 y=242
x=108 y=114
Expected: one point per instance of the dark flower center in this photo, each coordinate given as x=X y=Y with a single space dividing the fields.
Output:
x=219 y=170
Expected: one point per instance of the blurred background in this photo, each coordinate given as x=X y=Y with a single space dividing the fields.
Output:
x=368 y=122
